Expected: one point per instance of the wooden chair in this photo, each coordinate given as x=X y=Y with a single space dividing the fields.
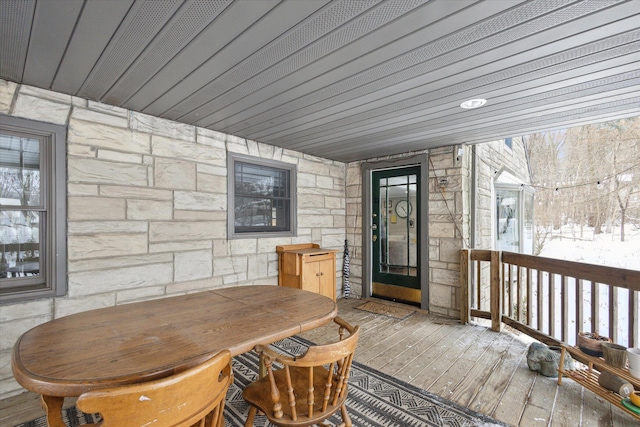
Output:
x=310 y=388
x=180 y=400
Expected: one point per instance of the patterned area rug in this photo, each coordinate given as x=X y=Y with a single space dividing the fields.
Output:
x=72 y=417
x=375 y=399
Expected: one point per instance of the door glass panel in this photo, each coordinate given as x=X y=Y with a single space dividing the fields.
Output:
x=397 y=180
x=398 y=233
x=411 y=224
x=385 y=209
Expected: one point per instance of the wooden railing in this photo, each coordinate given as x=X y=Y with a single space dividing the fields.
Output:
x=549 y=299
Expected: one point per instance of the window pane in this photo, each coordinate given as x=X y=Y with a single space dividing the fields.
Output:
x=398 y=180
x=261 y=180
x=261 y=212
x=20 y=243
x=508 y=237
x=19 y=171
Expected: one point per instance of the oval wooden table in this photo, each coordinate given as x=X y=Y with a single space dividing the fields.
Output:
x=142 y=341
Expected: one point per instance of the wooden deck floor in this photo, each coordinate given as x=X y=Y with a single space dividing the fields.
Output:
x=469 y=364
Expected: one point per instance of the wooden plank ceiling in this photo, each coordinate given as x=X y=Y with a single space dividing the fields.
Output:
x=342 y=79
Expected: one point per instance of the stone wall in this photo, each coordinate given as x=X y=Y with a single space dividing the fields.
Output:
x=448 y=228
x=147 y=211
x=354 y=225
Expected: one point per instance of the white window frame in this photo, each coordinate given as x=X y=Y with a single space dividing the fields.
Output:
x=523 y=191
x=232 y=158
x=53 y=242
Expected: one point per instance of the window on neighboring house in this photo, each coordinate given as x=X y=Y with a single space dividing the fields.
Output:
x=32 y=210
x=514 y=228
x=508 y=142
x=261 y=197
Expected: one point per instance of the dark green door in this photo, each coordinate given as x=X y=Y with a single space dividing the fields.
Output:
x=396 y=234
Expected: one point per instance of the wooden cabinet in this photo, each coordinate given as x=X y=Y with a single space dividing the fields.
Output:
x=307 y=266
x=588 y=377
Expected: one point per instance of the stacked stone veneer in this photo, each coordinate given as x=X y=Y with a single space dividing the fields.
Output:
x=354 y=225
x=147 y=211
x=448 y=227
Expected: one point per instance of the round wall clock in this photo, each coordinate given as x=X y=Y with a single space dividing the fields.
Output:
x=403 y=208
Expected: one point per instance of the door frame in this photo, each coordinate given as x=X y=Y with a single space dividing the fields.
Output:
x=421 y=160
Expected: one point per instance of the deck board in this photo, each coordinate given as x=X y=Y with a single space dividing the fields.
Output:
x=479 y=372
x=515 y=396
x=409 y=349
x=469 y=364
x=430 y=360
x=493 y=390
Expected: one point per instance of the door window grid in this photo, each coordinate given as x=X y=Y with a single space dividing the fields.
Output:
x=398 y=254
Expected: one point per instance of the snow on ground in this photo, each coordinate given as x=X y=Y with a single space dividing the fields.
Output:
x=600 y=249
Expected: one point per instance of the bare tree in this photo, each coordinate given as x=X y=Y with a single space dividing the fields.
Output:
x=623 y=160
x=544 y=150
x=596 y=171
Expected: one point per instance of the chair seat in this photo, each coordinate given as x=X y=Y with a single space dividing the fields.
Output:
x=258 y=394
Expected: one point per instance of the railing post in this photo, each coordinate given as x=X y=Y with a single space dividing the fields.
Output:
x=496 y=291
x=465 y=283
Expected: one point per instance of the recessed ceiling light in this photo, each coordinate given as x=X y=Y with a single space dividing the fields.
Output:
x=473 y=103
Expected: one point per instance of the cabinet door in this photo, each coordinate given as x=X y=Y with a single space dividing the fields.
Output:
x=311 y=277
x=327 y=278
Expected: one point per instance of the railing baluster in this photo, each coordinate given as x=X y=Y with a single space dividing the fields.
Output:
x=509 y=285
x=519 y=313
x=505 y=289
x=633 y=319
x=564 y=313
x=595 y=306
x=540 y=301
x=479 y=285
x=529 y=298
x=579 y=306
x=552 y=305
x=613 y=313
